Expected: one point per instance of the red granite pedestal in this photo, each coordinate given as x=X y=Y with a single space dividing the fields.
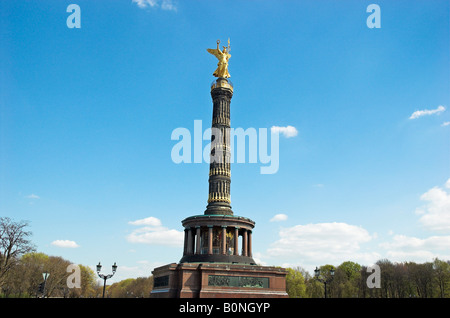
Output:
x=209 y=280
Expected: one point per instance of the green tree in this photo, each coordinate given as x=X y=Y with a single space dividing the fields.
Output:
x=363 y=290
x=88 y=286
x=142 y=287
x=120 y=289
x=442 y=277
x=25 y=277
x=30 y=269
x=422 y=277
x=131 y=288
x=56 y=285
x=314 y=288
x=295 y=283
x=346 y=278
x=351 y=269
x=387 y=276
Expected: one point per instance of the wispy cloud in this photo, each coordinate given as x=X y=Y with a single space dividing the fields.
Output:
x=150 y=221
x=145 y=3
x=447 y=123
x=420 y=113
x=65 y=244
x=168 y=5
x=288 y=131
x=162 y=4
x=279 y=217
x=32 y=196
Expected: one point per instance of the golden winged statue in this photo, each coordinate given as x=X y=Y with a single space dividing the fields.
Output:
x=223 y=57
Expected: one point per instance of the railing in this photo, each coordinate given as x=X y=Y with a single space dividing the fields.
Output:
x=222 y=82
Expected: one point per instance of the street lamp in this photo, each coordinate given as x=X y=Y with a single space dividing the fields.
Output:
x=42 y=285
x=322 y=279
x=105 y=277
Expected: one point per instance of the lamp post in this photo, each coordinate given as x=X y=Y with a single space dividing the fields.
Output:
x=324 y=280
x=45 y=276
x=105 y=277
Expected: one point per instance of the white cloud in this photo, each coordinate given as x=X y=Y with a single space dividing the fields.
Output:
x=168 y=5
x=420 y=113
x=151 y=221
x=333 y=243
x=65 y=244
x=406 y=248
x=279 y=217
x=145 y=3
x=435 y=215
x=32 y=196
x=322 y=243
x=155 y=234
x=164 y=4
x=447 y=123
x=288 y=131
x=257 y=258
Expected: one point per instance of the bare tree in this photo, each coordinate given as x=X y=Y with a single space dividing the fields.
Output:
x=13 y=243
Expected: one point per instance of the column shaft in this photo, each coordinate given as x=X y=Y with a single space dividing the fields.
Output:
x=249 y=252
x=197 y=249
x=219 y=199
x=244 y=243
x=236 y=241
x=224 y=239
x=189 y=243
x=185 y=249
x=210 y=240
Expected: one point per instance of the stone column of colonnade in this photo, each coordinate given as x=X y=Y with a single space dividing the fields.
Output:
x=192 y=241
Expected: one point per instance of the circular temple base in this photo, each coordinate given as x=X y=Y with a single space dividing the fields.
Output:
x=204 y=239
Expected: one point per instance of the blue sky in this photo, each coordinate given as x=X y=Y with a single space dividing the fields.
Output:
x=86 y=116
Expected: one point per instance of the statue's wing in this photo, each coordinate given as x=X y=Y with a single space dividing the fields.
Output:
x=214 y=52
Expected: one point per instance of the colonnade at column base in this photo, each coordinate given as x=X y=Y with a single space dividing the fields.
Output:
x=217 y=258
x=218 y=239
